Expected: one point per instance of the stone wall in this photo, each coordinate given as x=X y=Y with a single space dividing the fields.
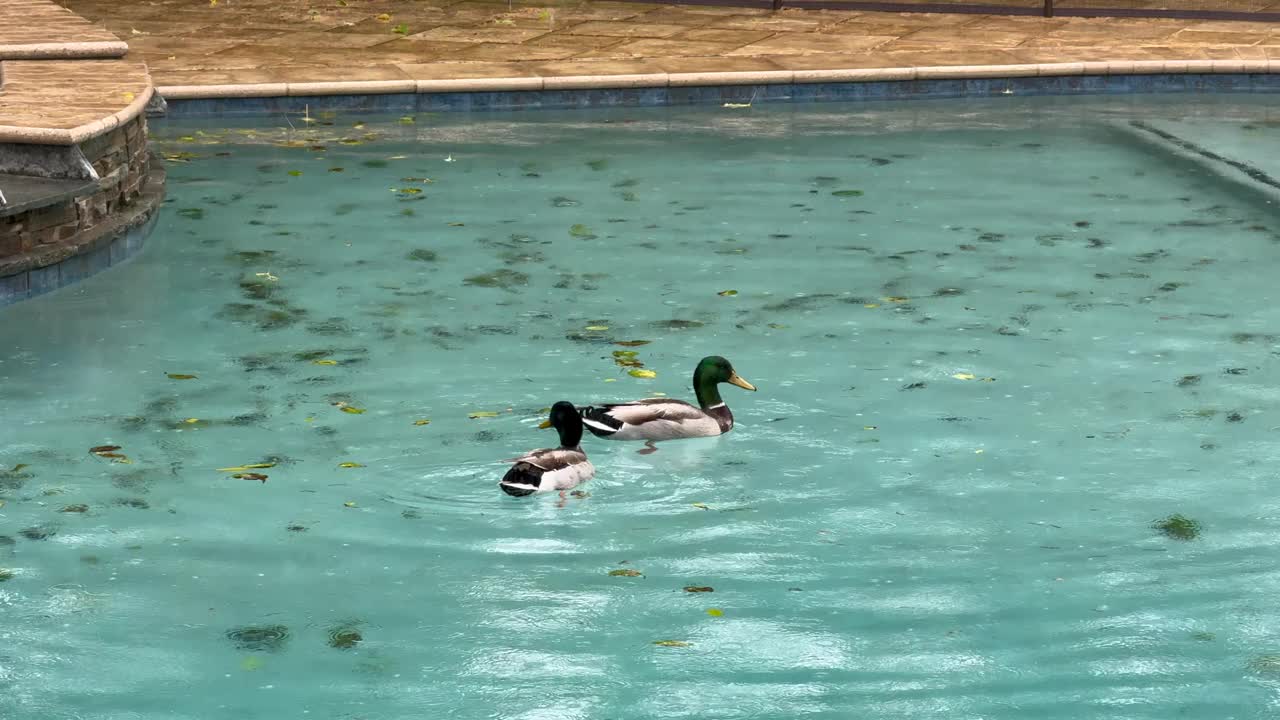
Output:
x=123 y=199
x=48 y=235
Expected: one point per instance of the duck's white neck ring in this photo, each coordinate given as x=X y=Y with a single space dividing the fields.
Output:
x=716 y=407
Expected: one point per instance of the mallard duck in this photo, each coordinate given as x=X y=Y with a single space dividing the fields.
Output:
x=552 y=469
x=657 y=419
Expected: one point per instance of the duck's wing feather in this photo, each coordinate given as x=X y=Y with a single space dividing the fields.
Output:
x=653 y=409
x=552 y=459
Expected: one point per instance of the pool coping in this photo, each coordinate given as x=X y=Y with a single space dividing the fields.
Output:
x=73 y=136
x=725 y=78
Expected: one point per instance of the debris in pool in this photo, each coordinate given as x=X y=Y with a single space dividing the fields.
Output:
x=1236 y=371
x=640 y=373
x=6 y=575
x=410 y=514
x=847 y=193
x=266 y=276
x=191 y=213
x=964 y=376
x=421 y=422
x=625 y=572
x=672 y=643
x=596 y=328
x=715 y=612
x=1203 y=636
x=324 y=362
x=348 y=408
x=350 y=465
x=482 y=414
x=598 y=165
x=296 y=528
x=295 y=173
x=135 y=503
x=78 y=508
x=250 y=466
x=678 y=324
x=632 y=343
x=736 y=105
x=582 y=231
x=1178 y=527
x=450 y=159
x=336 y=169
x=349 y=504
x=180 y=376
x=344 y=637
x=727 y=293
x=250 y=476
x=95 y=450
x=915 y=386
x=701 y=506
x=1267 y=664
x=423 y=255
x=37 y=533
x=580 y=494
x=503 y=279
x=1188 y=380
x=259 y=638
x=698 y=589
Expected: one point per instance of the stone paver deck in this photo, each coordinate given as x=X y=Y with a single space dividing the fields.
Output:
x=193 y=44
x=40 y=29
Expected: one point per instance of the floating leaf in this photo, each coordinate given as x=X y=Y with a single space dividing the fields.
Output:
x=20 y=466
x=727 y=293
x=251 y=466
x=964 y=376
x=417 y=179
x=250 y=476
x=6 y=575
x=95 y=450
x=344 y=638
x=625 y=354
x=869 y=427
x=251 y=663
x=897 y=299
x=348 y=504
x=180 y=376
x=642 y=373
x=698 y=589
x=671 y=643
x=405 y=119
x=632 y=343
x=597 y=328
x=871 y=305
x=324 y=362
x=482 y=414
x=581 y=231
x=421 y=422
x=192 y=213
x=1178 y=527
x=336 y=169
x=715 y=612
x=625 y=572
x=701 y=506
x=191 y=421
x=410 y=191
x=295 y=173
x=457 y=224
x=597 y=165
x=847 y=193
x=352 y=410
x=350 y=465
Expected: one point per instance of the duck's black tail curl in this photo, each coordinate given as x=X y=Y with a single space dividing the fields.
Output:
x=598 y=421
x=521 y=480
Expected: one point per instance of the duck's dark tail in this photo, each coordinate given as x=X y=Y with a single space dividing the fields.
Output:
x=598 y=421
x=521 y=480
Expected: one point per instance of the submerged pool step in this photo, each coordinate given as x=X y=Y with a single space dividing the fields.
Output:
x=1220 y=147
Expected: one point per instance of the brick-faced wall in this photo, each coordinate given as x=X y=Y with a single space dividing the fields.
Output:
x=48 y=235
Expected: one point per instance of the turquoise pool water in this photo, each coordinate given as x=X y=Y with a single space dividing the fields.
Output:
x=994 y=343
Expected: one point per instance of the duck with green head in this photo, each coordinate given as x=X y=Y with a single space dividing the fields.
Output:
x=552 y=469
x=656 y=419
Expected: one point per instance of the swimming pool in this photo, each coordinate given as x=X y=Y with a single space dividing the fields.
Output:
x=996 y=343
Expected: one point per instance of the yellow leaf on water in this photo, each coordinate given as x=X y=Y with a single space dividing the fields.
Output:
x=701 y=506
x=421 y=422
x=869 y=427
x=611 y=379
x=180 y=376
x=963 y=376
x=383 y=18
x=324 y=362
x=348 y=504
x=191 y=421
x=671 y=643
x=632 y=343
x=715 y=612
x=295 y=173
x=252 y=662
x=628 y=572
x=727 y=293
x=352 y=410
x=482 y=414
x=597 y=328
x=637 y=372
x=897 y=299
x=871 y=305
x=349 y=465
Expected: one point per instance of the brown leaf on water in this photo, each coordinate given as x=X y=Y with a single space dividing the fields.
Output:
x=180 y=376
x=250 y=476
x=671 y=643
x=632 y=343
x=698 y=589
x=626 y=572
x=104 y=449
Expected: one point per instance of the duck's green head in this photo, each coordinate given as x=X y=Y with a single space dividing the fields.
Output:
x=711 y=371
x=566 y=420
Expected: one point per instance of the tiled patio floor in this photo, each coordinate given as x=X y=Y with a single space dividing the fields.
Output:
x=198 y=42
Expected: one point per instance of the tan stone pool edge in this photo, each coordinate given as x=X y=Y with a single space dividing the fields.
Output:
x=704 y=79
